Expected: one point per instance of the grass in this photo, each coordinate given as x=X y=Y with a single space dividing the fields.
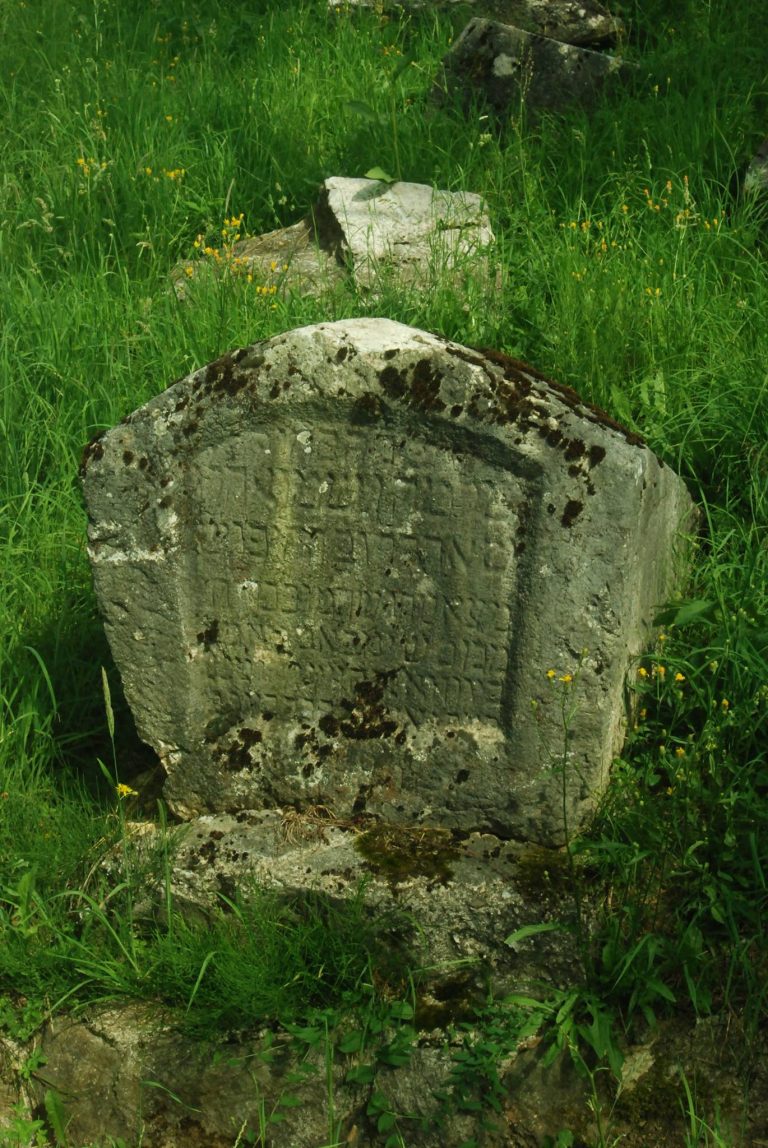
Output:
x=629 y=271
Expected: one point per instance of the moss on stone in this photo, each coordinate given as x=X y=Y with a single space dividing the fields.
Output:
x=401 y=852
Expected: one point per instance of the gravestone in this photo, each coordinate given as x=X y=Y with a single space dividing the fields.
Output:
x=583 y=22
x=366 y=229
x=510 y=66
x=336 y=567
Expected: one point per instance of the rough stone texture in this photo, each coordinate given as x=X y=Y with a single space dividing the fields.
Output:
x=588 y=24
x=466 y=893
x=756 y=178
x=367 y=228
x=510 y=66
x=408 y=228
x=335 y=567
x=128 y=1072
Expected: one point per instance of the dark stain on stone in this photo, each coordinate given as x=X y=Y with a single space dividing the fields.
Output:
x=391 y=353
x=165 y=502
x=143 y=463
x=574 y=471
x=596 y=455
x=341 y=354
x=456 y=410
x=220 y=376
x=210 y=635
x=366 y=715
x=573 y=509
x=358 y=805
x=425 y=387
x=92 y=452
x=419 y=386
x=267 y=715
x=521 y=373
x=575 y=449
x=553 y=435
x=127 y=457
x=249 y=736
x=165 y=480
x=208 y=851
x=236 y=758
x=228 y=894
x=392 y=382
x=368 y=408
x=190 y=428
x=461 y=776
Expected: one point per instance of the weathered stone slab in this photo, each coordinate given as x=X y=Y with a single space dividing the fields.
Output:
x=452 y=897
x=589 y=23
x=509 y=65
x=365 y=228
x=756 y=177
x=335 y=568
x=408 y=228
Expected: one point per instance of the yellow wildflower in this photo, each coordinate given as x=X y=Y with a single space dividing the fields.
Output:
x=126 y=791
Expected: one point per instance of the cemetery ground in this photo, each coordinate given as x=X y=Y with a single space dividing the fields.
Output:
x=138 y=135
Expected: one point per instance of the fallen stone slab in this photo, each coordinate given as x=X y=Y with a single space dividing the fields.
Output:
x=509 y=66
x=588 y=24
x=357 y=566
x=366 y=229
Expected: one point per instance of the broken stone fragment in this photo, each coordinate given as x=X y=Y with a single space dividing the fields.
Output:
x=586 y=23
x=510 y=66
x=336 y=567
x=366 y=230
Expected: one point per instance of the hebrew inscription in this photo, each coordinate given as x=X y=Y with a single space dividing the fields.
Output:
x=327 y=555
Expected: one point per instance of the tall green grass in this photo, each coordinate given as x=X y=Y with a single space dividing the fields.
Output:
x=627 y=269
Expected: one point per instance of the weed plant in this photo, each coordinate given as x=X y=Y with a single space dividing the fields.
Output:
x=627 y=269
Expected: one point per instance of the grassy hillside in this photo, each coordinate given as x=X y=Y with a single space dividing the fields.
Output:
x=630 y=271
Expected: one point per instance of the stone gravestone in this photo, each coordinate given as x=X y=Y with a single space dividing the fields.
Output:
x=509 y=66
x=584 y=22
x=367 y=229
x=335 y=568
